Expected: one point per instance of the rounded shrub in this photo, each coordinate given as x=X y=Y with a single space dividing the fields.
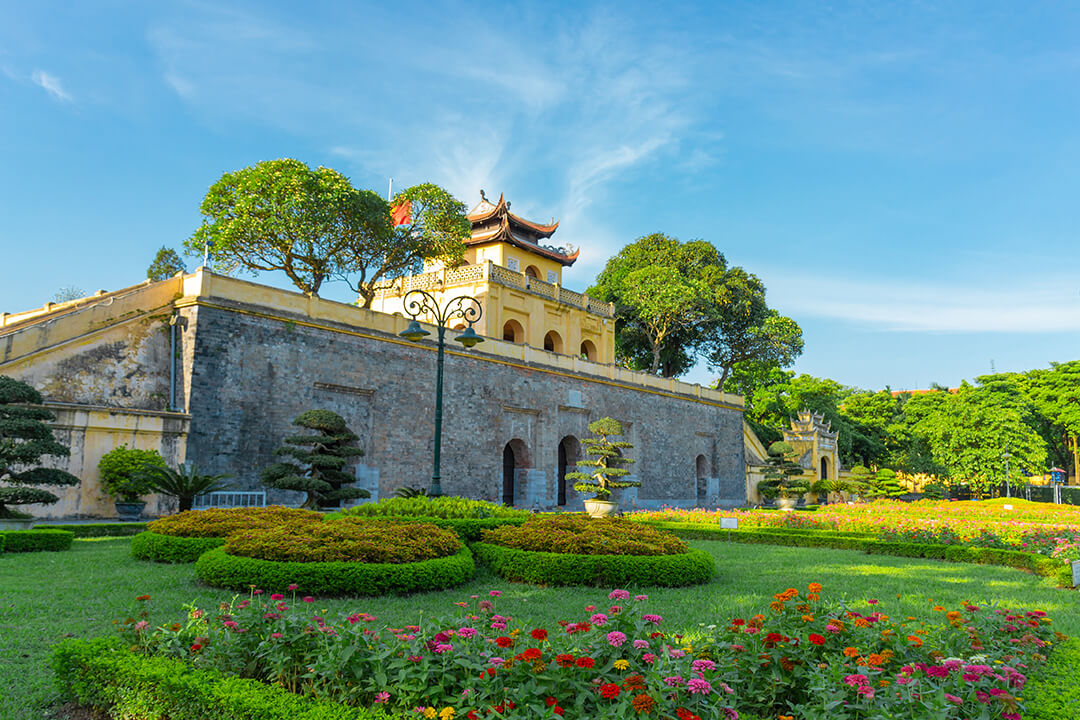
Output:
x=581 y=535
x=693 y=567
x=347 y=557
x=345 y=541
x=221 y=522
x=577 y=550
x=220 y=569
x=435 y=507
x=170 y=549
x=183 y=537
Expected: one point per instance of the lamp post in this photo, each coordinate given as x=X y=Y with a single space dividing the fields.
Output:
x=419 y=302
x=1008 y=490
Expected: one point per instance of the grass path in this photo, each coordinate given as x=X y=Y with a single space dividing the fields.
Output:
x=45 y=597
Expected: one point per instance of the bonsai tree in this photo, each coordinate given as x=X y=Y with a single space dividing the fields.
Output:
x=185 y=483
x=601 y=476
x=860 y=482
x=24 y=440
x=315 y=462
x=124 y=472
x=885 y=484
x=783 y=475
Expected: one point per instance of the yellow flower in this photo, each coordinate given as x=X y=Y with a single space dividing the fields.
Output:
x=621 y=664
x=430 y=714
x=447 y=713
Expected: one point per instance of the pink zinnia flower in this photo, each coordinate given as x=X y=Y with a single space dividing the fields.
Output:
x=674 y=681
x=697 y=686
x=702 y=665
x=598 y=619
x=495 y=593
x=382 y=697
x=442 y=648
x=618 y=595
x=867 y=692
x=309 y=599
x=616 y=638
x=649 y=658
x=855 y=680
x=953 y=699
x=466 y=632
x=654 y=619
x=277 y=596
x=276 y=636
x=294 y=586
x=641 y=598
x=641 y=644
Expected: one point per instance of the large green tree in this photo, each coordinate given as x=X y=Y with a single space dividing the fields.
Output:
x=660 y=335
x=166 y=264
x=314 y=226
x=742 y=328
x=25 y=439
x=1055 y=394
x=437 y=229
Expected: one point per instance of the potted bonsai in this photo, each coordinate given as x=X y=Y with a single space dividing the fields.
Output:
x=601 y=475
x=24 y=440
x=124 y=476
x=783 y=475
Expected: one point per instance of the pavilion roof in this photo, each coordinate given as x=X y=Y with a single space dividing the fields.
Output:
x=493 y=222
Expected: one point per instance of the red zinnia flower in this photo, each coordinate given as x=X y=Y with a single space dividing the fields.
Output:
x=609 y=690
x=557 y=710
x=817 y=639
x=539 y=634
x=564 y=660
x=504 y=642
x=585 y=662
x=550 y=701
x=532 y=654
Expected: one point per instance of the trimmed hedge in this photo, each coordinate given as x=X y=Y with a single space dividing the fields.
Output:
x=171 y=549
x=219 y=569
x=2 y=541
x=98 y=529
x=1054 y=693
x=1032 y=562
x=468 y=529
x=37 y=540
x=543 y=568
x=103 y=674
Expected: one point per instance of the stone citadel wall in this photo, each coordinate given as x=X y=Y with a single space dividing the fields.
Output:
x=249 y=358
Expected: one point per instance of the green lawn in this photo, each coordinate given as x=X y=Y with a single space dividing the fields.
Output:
x=45 y=597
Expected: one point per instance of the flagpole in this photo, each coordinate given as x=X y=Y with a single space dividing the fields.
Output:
x=390 y=191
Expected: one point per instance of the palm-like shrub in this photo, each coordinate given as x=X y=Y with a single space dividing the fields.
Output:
x=24 y=440
x=601 y=476
x=316 y=462
x=185 y=483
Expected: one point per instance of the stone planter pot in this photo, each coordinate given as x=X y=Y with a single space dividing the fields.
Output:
x=600 y=508
x=786 y=503
x=17 y=523
x=129 y=511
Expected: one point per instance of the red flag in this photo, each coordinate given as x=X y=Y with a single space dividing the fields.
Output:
x=402 y=213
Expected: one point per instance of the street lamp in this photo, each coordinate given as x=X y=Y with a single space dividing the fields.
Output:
x=1008 y=490
x=419 y=302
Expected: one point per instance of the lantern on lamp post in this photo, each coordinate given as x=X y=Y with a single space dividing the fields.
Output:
x=417 y=303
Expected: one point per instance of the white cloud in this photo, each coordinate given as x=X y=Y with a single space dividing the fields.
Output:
x=51 y=84
x=899 y=305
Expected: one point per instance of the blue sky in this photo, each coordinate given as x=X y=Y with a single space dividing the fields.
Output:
x=903 y=176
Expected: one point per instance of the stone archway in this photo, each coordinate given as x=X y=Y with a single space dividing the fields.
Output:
x=588 y=350
x=513 y=332
x=569 y=454
x=702 y=483
x=515 y=457
x=824 y=469
x=553 y=342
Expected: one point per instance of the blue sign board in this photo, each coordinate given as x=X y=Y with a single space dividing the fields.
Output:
x=1057 y=476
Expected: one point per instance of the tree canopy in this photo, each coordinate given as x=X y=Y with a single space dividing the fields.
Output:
x=166 y=264
x=676 y=302
x=314 y=226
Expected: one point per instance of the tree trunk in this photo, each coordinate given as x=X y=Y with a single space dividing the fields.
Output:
x=723 y=378
x=1076 y=458
x=655 y=358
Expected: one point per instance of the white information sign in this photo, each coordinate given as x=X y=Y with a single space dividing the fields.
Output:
x=1007 y=507
x=729 y=523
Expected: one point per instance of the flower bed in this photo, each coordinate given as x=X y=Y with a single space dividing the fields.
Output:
x=340 y=558
x=800 y=657
x=183 y=537
x=575 y=550
x=36 y=540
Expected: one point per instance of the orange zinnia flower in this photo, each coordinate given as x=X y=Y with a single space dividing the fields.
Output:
x=814 y=587
x=851 y=652
x=915 y=640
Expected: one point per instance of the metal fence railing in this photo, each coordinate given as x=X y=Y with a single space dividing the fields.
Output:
x=230 y=499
